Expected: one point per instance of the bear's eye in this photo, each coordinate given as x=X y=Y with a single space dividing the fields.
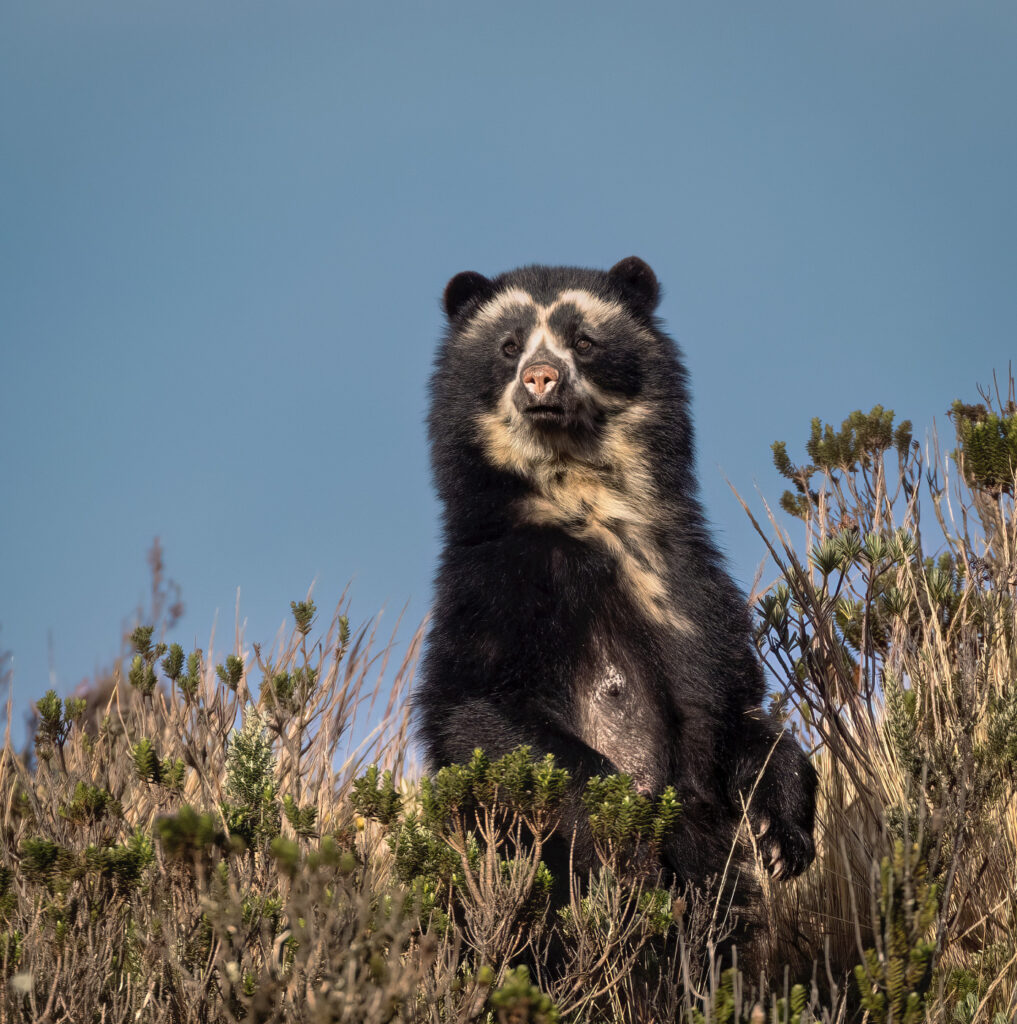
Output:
x=510 y=347
x=583 y=343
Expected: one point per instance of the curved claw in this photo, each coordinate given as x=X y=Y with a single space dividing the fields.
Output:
x=785 y=859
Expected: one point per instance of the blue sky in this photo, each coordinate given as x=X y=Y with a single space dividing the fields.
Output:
x=225 y=228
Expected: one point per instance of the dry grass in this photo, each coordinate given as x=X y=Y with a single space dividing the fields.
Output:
x=93 y=945
x=911 y=721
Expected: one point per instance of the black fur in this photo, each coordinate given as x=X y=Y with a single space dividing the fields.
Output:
x=547 y=628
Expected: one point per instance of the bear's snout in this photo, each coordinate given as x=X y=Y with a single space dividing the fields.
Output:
x=540 y=378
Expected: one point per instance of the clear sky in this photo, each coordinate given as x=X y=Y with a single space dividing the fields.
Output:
x=225 y=228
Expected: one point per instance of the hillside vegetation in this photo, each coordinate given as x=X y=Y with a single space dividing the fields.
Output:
x=203 y=846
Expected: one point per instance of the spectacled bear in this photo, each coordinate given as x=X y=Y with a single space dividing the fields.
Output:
x=582 y=607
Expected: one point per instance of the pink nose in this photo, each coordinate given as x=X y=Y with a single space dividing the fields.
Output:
x=540 y=377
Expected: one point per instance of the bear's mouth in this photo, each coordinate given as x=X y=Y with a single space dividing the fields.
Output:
x=555 y=414
x=564 y=427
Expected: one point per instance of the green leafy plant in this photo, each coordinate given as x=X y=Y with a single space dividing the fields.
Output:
x=55 y=721
x=987 y=445
x=518 y=1001
x=626 y=825
x=894 y=976
x=251 y=811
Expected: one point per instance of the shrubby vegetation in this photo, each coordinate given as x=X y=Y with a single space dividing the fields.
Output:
x=202 y=846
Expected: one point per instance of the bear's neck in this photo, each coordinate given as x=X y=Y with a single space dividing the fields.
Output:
x=616 y=512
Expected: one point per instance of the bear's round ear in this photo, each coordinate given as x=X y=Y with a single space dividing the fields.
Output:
x=637 y=283
x=463 y=289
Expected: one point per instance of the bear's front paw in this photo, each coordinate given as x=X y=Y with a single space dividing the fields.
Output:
x=786 y=849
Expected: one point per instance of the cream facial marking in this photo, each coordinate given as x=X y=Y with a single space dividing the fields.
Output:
x=595 y=309
x=491 y=312
x=543 y=337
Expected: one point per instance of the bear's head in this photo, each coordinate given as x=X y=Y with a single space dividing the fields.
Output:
x=544 y=369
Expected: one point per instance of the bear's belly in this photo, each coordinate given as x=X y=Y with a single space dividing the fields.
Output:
x=620 y=718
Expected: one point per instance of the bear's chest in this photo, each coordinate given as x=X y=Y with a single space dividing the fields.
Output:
x=610 y=514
